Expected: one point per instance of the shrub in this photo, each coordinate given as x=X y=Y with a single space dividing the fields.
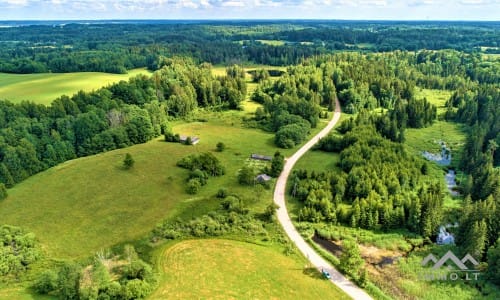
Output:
x=205 y=161
x=128 y=162
x=18 y=249
x=169 y=137
x=277 y=164
x=138 y=269
x=221 y=193
x=200 y=175
x=290 y=135
x=220 y=146
x=193 y=186
x=351 y=260
x=246 y=175
x=46 y=282
x=136 y=289
x=113 y=291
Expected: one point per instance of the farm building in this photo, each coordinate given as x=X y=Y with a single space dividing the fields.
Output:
x=261 y=157
x=194 y=139
x=262 y=178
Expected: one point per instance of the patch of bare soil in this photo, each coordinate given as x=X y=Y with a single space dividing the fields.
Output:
x=380 y=264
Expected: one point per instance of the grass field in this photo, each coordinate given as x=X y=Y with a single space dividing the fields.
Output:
x=101 y=204
x=436 y=97
x=21 y=293
x=94 y=199
x=44 y=88
x=453 y=134
x=318 y=161
x=266 y=42
x=223 y=269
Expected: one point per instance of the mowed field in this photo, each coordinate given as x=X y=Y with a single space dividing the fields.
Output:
x=223 y=269
x=44 y=88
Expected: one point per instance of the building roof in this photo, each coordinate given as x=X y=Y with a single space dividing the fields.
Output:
x=263 y=177
x=261 y=157
x=194 y=139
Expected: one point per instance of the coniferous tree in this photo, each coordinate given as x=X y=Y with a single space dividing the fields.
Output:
x=277 y=164
x=129 y=161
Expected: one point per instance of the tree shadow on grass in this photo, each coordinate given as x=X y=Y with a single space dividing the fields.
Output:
x=312 y=272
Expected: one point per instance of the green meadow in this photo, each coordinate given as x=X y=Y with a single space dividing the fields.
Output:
x=436 y=97
x=44 y=88
x=83 y=205
x=227 y=269
x=426 y=139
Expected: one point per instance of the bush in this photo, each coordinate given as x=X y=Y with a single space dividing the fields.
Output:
x=200 y=175
x=351 y=260
x=193 y=186
x=113 y=291
x=205 y=161
x=136 y=289
x=220 y=146
x=221 y=193
x=46 y=282
x=291 y=134
x=128 y=162
x=246 y=175
x=277 y=164
x=18 y=249
x=138 y=270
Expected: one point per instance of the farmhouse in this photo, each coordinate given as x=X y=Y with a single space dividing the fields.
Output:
x=194 y=139
x=262 y=178
x=261 y=157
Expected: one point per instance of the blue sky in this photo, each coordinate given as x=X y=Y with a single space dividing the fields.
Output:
x=251 y=9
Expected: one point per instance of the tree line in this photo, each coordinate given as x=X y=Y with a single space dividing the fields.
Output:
x=116 y=48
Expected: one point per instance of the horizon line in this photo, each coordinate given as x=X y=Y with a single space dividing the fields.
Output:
x=252 y=19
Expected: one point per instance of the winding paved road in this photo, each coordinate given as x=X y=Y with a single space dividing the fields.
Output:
x=279 y=198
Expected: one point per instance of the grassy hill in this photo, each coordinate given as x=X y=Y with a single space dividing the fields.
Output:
x=236 y=270
x=44 y=88
x=83 y=205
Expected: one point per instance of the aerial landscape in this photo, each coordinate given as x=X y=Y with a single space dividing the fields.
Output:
x=249 y=149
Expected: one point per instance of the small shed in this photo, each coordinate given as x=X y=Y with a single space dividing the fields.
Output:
x=261 y=157
x=194 y=139
x=262 y=178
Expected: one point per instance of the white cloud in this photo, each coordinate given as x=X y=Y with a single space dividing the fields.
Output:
x=15 y=2
x=232 y=4
x=373 y=2
x=365 y=9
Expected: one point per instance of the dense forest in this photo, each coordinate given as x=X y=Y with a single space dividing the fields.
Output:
x=116 y=48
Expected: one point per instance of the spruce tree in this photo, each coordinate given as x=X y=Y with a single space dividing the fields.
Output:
x=128 y=162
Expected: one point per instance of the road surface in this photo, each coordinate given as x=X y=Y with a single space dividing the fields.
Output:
x=279 y=198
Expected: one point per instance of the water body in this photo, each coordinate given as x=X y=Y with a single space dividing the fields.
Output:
x=443 y=158
x=451 y=183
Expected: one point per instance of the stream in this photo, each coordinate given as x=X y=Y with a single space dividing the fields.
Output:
x=444 y=159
